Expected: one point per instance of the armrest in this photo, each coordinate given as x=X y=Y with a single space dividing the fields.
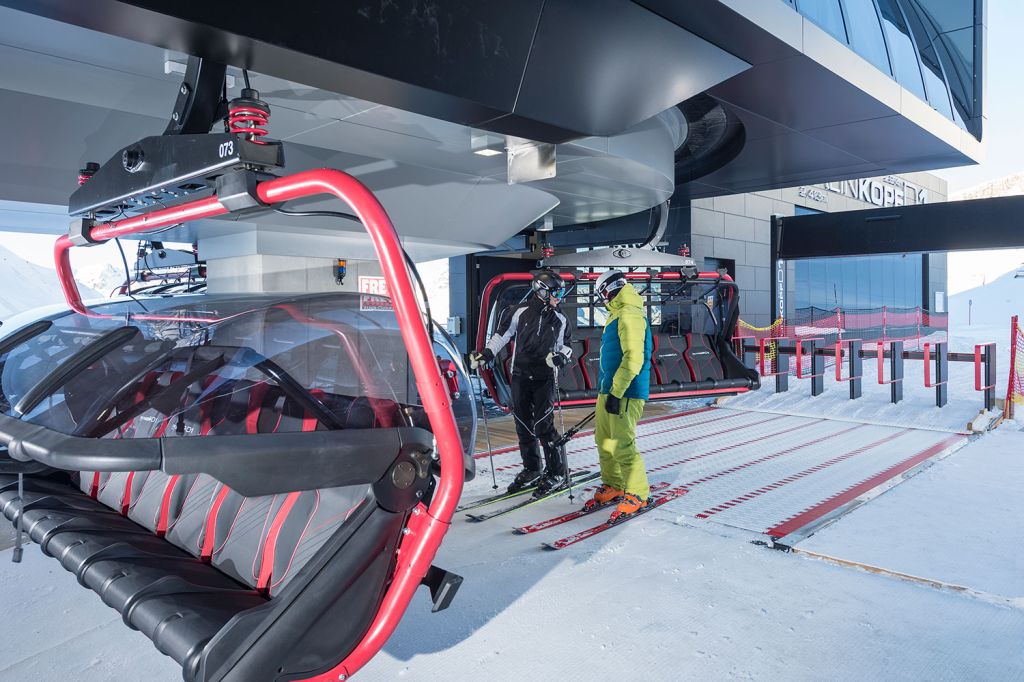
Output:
x=26 y=441
x=268 y=463
x=253 y=465
x=12 y=466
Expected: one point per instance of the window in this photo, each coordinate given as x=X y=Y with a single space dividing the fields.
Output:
x=866 y=33
x=934 y=78
x=902 y=53
x=826 y=14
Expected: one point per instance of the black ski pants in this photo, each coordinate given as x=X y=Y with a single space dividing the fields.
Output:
x=533 y=408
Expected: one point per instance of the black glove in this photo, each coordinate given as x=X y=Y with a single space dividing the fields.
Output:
x=556 y=360
x=480 y=357
x=612 y=404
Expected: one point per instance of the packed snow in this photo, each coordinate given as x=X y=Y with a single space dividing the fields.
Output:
x=958 y=522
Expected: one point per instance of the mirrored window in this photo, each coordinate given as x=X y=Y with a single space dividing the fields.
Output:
x=866 y=33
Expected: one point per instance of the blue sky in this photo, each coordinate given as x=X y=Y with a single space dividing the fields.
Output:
x=1003 y=137
x=1004 y=101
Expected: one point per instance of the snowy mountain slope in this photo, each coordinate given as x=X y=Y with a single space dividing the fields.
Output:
x=1002 y=187
x=24 y=286
x=992 y=304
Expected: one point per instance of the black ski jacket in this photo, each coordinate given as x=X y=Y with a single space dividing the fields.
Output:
x=538 y=329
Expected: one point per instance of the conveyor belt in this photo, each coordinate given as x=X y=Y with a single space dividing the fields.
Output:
x=767 y=473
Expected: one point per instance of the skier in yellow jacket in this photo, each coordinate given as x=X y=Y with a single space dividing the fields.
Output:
x=623 y=388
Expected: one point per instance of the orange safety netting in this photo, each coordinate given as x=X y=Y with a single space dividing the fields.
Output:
x=913 y=326
x=1015 y=387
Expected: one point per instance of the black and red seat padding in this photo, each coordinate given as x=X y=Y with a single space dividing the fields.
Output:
x=204 y=524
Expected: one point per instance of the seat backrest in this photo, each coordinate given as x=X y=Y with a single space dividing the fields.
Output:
x=259 y=541
x=702 y=359
x=571 y=377
x=668 y=359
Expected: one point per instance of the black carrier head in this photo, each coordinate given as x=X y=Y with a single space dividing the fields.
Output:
x=547 y=284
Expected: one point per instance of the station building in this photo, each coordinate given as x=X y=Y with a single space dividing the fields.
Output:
x=734 y=232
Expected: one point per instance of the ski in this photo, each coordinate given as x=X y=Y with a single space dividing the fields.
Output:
x=501 y=497
x=483 y=502
x=654 y=502
x=578 y=513
x=582 y=479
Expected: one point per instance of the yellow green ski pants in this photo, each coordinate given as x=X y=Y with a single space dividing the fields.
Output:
x=621 y=465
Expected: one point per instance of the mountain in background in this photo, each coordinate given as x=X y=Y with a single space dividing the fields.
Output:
x=24 y=286
x=103 y=278
x=1009 y=186
x=992 y=304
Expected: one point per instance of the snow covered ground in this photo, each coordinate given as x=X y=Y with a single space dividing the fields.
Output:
x=958 y=522
x=664 y=597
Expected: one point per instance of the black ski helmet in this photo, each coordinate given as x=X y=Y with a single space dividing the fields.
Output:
x=547 y=283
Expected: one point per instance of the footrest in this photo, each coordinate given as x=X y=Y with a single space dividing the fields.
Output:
x=443 y=587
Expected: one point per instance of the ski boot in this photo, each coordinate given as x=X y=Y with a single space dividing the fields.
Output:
x=523 y=480
x=604 y=494
x=550 y=482
x=629 y=504
x=554 y=469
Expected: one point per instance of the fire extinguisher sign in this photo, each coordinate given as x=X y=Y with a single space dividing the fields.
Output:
x=373 y=293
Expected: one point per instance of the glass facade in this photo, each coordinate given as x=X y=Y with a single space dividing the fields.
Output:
x=932 y=48
x=858 y=282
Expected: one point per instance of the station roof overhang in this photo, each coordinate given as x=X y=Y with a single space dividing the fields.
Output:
x=396 y=93
x=811 y=109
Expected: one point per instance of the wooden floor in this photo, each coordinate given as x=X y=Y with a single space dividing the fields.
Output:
x=503 y=429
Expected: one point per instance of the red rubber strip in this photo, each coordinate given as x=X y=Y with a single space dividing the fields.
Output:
x=817 y=511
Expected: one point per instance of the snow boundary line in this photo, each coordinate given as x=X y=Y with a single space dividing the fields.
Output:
x=869 y=422
x=988 y=597
x=843 y=497
x=711 y=511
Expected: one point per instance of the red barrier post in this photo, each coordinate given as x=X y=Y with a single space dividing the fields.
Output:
x=985 y=363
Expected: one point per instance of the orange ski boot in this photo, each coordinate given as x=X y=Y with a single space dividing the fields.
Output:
x=629 y=504
x=603 y=495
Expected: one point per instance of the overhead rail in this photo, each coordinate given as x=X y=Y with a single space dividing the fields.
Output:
x=948 y=226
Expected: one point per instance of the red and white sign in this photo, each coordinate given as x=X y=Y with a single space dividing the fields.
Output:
x=374 y=293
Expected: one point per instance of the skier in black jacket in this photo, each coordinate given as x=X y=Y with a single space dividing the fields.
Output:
x=542 y=334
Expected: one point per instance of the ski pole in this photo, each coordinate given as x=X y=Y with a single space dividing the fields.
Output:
x=561 y=425
x=487 y=430
x=576 y=428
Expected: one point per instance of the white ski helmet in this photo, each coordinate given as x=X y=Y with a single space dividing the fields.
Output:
x=608 y=283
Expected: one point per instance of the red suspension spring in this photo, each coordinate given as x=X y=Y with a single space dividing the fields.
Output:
x=248 y=115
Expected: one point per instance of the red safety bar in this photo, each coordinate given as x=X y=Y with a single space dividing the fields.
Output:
x=662 y=396
x=800 y=356
x=978 y=365
x=762 y=356
x=426 y=527
x=839 y=359
x=928 y=383
x=880 y=348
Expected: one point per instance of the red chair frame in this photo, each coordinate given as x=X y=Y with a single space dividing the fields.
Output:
x=427 y=526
